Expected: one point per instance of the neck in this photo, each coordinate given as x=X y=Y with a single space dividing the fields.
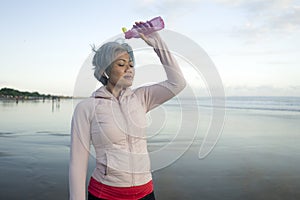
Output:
x=114 y=89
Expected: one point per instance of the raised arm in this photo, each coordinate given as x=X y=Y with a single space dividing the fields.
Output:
x=157 y=94
x=79 y=154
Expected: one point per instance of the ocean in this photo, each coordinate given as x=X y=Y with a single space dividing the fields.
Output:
x=257 y=155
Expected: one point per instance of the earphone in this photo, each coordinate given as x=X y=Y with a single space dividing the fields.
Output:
x=105 y=74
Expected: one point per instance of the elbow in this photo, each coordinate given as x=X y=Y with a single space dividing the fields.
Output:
x=181 y=84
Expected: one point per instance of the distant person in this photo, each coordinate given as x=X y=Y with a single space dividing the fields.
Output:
x=114 y=121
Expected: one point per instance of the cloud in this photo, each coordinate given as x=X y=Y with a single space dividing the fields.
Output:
x=172 y=8
x=265 y=18
x=288 y=20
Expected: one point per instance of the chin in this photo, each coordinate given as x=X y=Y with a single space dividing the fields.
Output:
x=128 y=85
x=125 y=83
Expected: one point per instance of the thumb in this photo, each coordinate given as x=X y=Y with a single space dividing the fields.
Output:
x=144 y=38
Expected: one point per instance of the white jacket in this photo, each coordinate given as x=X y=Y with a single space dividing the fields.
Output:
x=116 y=128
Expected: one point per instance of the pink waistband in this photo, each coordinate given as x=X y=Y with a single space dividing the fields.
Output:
x=101 y=190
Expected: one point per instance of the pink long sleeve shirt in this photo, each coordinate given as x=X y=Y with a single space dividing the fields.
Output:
x=116 y=129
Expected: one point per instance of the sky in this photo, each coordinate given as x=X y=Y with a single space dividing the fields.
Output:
x=255 y=45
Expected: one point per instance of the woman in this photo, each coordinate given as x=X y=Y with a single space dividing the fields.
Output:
x=114 y=121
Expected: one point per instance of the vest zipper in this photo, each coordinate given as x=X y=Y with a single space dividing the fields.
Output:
x=128 y=141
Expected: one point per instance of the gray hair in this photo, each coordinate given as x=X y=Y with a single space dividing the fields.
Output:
x=105 y=56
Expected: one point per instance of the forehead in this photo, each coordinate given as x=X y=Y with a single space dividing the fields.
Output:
x=123 y=56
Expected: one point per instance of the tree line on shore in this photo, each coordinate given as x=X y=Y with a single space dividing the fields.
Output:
x=9 y=93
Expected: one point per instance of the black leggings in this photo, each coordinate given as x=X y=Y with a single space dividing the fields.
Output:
x=148 y=197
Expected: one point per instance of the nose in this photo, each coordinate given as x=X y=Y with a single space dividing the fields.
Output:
x=129 y=68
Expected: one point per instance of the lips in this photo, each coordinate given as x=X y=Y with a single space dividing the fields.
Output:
x=128 y=77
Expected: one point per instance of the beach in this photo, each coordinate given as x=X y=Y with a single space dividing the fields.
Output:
x=256 y=157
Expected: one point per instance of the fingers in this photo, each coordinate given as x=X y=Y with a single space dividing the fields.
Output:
x=141 y=26
x=142 y=29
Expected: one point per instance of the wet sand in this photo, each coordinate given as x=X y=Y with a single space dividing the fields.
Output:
x=257 y=157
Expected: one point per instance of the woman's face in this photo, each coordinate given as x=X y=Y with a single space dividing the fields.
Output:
x=122 y=71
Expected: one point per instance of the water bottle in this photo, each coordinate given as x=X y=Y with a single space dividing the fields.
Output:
x=154 y=24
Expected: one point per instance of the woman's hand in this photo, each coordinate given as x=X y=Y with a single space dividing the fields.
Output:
x=152 y=39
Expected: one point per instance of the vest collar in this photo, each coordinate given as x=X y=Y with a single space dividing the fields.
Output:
x=102 y=92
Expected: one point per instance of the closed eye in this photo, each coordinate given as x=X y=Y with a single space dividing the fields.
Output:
x=122 y=63
x=131 y=64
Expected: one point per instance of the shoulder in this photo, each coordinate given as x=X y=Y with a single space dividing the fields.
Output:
x=85 y=106
x=141 y=90
x=85 y=102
